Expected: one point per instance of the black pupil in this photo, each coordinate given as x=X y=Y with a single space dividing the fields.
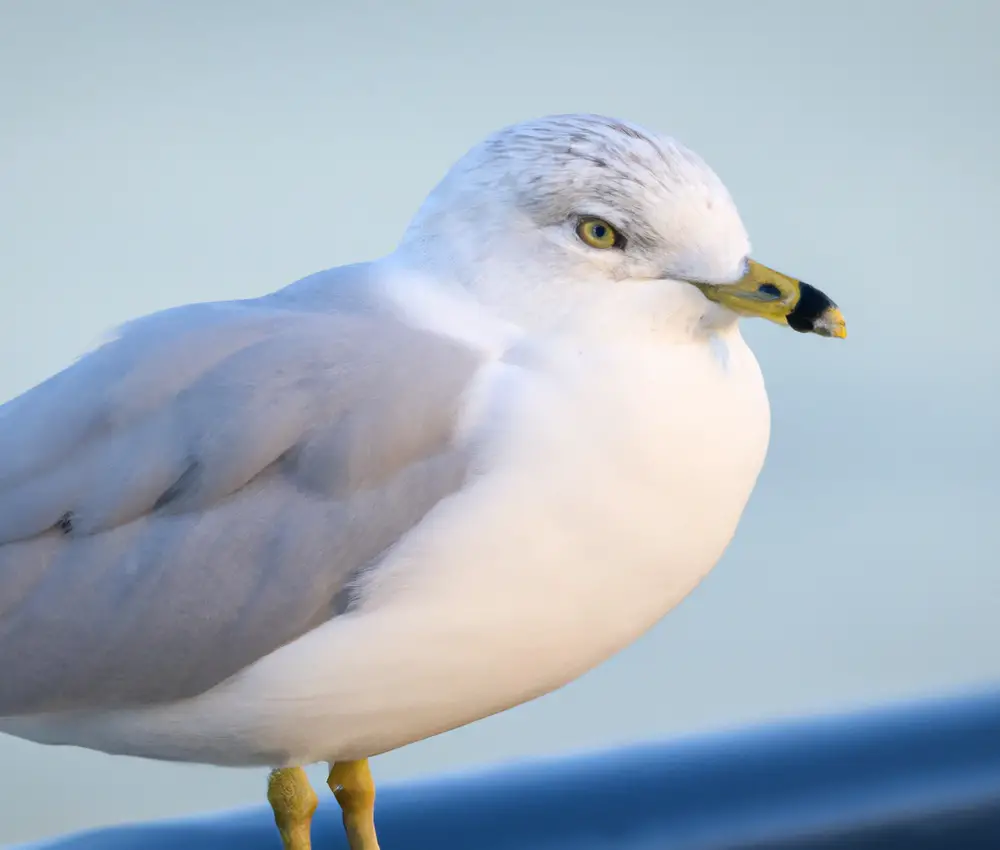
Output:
x=599 y=231
x=769 y=289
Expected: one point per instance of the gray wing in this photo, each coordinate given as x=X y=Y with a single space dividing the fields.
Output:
x=201 y=491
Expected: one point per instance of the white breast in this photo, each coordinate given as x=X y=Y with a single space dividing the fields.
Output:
x=615 y=487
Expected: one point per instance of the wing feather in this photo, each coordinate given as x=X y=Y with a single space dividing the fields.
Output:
x=201 y=490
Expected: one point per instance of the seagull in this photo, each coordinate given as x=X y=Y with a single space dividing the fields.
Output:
x=398 y=496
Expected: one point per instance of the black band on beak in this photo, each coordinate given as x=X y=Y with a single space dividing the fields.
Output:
x=812 y=304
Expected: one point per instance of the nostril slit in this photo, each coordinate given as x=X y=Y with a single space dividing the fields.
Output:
x=769 y=289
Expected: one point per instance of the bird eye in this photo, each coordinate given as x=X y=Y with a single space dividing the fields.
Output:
x=597 y=233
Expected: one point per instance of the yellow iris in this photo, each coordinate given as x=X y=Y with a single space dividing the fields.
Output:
x=597 y=233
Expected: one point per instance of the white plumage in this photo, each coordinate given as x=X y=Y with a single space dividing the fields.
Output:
x=392 y=498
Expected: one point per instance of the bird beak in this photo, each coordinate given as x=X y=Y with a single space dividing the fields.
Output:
x=784 y=300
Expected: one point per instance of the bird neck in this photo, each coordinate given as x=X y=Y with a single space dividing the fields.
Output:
x=586 y=311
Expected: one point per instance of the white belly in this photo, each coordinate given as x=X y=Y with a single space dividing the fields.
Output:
x=600 y=509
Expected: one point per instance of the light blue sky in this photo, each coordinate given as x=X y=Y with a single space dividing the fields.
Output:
x=159 y=153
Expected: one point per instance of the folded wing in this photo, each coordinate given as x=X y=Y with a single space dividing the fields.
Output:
x=201 y=490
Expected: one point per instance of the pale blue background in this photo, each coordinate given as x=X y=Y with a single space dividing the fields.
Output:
x=158 y=153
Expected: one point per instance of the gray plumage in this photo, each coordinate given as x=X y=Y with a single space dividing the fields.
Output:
x=202 y=490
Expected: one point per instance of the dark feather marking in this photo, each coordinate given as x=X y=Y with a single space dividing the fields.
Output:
x=178 y=488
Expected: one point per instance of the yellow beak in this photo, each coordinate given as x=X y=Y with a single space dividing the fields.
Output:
x=782 y=299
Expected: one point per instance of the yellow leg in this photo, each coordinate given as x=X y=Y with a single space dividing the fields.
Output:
x=352 y=785
x=293 y=801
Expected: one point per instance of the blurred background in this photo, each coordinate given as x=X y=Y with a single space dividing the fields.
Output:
x=159 y=153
